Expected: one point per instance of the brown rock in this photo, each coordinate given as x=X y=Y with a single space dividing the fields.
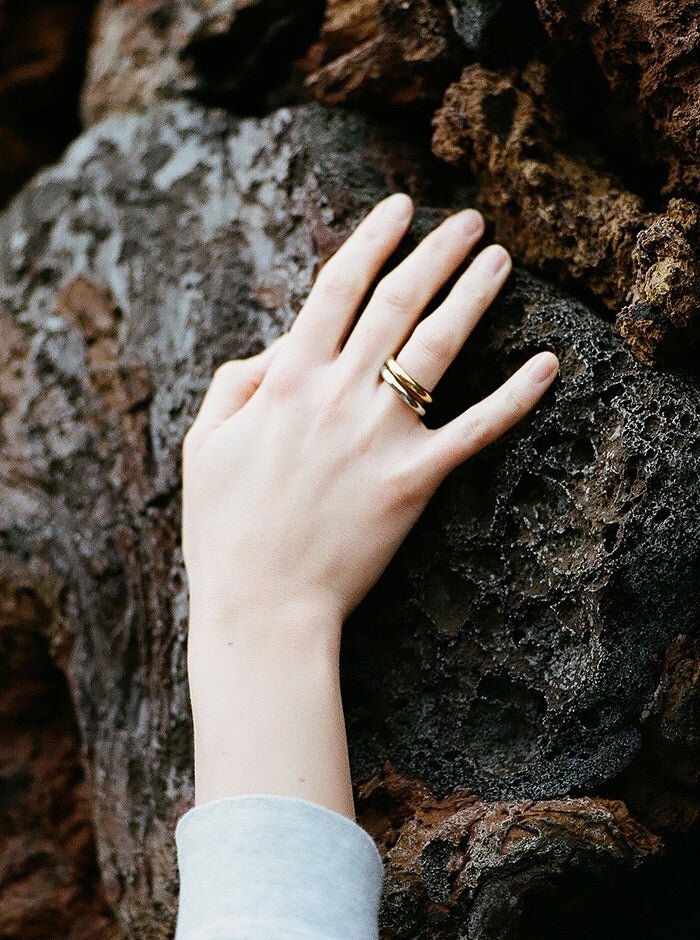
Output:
x=454 y=864
x=393 y=51
x=558 y=213
x=662 y=318
x=675 y=718
x=49 y=882
x=650 y=53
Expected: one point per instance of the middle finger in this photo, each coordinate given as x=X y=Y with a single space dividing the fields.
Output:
x=401 y=296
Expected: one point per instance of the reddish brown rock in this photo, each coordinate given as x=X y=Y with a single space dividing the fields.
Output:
x=650 y=53
x=560 y=214
x=42 y=47
x=49 y=881
x=454 y=864
x=393 y=51
x=675 y=718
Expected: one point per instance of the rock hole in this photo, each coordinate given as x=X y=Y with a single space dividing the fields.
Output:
x=582 y=452
x=499 y=110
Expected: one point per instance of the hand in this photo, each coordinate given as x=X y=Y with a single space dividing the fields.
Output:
x=304 y=471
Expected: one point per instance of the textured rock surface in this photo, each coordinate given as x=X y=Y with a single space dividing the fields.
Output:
x=42 y=47
x=650 y=53
x=229 y=51
x=564 y=567
x=393 y=51
x=455 y=866
x=49 y=880
x=514 y=644
x=572 y=219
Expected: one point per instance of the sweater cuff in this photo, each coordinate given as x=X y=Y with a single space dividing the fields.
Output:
x=266 y=866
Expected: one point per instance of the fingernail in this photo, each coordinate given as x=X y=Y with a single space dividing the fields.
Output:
x=469 y=220
x=493 y=259
x=397 y=206
x=542 y=367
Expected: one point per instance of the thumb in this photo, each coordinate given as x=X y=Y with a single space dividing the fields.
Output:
x=232 y=384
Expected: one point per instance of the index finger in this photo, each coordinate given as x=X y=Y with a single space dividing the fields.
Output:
x=325 y=319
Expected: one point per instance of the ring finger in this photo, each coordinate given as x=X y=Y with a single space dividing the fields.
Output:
x=436 y=340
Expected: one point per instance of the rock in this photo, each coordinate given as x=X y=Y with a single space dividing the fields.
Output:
x=650 y=54
x=49 y=882
x=42 y=49
x=454 y=865
x=557 y=212
x=661 y=784
x=230 y=52
x=395 y=51
x=159 y=247
x=513 y=645
x=474 y=21
x=536 y=596
x=676 y=713
x=661 y=318
x=495 y=30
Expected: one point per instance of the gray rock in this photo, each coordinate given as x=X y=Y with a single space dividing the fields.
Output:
x=160 y=246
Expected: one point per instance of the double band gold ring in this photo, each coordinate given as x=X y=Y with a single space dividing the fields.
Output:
x=406 y=387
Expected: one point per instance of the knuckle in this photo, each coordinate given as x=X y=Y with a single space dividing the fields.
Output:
x=389 y=295
x=442 y=239
x=333 y=282
x=476 y=431
x=402 y=487
x=331 y=405
x=475 y=296
x=227 y=370
x=188 y=441
x=283 y=379
x=435 y=344
x=513 y=399
x=374 y=234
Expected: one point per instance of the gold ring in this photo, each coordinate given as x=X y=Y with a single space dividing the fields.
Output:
x=409 y=383
x=402 y=392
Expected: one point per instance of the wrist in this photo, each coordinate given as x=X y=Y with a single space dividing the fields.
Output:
x=277 y=628
x=266 y=705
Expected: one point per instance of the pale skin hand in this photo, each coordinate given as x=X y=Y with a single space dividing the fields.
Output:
x=303 y=473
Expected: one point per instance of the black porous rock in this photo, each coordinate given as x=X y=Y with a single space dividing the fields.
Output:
x=515 y=642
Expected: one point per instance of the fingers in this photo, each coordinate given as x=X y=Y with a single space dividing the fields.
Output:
x=231 y=386
x=325 y=319
x=484 y=422
x=438 y=338
x=402 y=295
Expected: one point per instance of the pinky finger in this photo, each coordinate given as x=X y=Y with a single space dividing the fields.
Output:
x=483 y=423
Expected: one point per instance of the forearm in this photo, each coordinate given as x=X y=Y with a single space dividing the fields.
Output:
x=268 y=714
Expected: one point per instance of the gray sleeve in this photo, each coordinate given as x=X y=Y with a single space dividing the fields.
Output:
x=262 y=867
